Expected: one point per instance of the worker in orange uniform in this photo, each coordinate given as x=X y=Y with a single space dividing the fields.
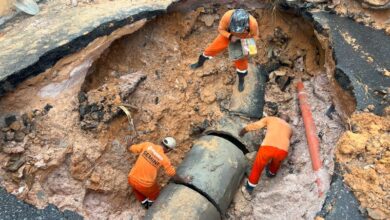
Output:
x=234 y=25
x=143 y=176
x=272 y=151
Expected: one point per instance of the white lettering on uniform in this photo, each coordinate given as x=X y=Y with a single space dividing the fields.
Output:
x=155 y=153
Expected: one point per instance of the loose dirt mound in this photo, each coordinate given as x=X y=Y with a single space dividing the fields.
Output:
x=364 y=153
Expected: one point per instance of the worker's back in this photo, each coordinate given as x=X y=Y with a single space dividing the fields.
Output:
x=278 y=133
x=151 y=158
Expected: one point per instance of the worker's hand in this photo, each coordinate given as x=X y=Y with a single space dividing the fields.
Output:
x=234 y=38
x=182 y=180
x=243 y=132
x=188 y=179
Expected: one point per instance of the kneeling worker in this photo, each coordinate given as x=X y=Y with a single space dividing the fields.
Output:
x=234 y=25
x=273 y=150
x=143 y=176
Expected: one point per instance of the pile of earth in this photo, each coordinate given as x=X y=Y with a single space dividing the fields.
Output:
x=364 y=153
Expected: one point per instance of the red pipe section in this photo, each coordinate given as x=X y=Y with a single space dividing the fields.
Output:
x=311 y=135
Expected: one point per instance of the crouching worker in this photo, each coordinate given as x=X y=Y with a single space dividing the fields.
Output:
x=272 y=151
x=143 y=176
x=234 y=25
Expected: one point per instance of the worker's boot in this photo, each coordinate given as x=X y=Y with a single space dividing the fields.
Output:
x=269 y=173
x=145 y=204
x=150 y=203
x=202 y=58
x=247 y=191
x=241 y=76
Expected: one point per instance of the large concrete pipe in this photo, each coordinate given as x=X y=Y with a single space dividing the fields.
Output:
x=181 y=202
x=249 y=103
x=216 y=161
x=230 y=127
x=217 y=166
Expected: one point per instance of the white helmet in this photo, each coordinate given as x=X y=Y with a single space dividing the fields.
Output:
x=169 y=142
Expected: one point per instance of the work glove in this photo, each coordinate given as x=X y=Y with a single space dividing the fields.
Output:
x=233 y=38
x=188 y=179
x=243 y=132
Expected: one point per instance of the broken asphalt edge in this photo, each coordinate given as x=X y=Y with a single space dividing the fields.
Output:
x=340 y=202
x=12 y=208
x=50 y=57
x=354 y=73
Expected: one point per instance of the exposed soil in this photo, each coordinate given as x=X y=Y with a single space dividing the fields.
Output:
x=85 y=169
x=364 y=153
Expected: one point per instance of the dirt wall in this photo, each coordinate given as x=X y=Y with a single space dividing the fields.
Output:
x=5 y=7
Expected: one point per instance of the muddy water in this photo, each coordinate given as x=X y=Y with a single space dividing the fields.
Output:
x=92 y=165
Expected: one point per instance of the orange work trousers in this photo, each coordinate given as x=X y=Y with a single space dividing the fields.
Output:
x=218 y=45
x=263 y=157
x=144 y=192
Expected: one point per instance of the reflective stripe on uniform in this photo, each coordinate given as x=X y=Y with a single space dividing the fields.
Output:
x=208 y=57
x=241 y=71
x=251 y=184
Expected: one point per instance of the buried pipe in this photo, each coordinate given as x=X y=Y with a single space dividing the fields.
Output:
x=181 y=202
x=216 y=161
x=218 y=167
x=250 y=102
x=322 y=178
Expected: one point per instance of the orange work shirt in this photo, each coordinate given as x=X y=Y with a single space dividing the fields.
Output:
x=278 y=133
x=224 y=24
x=151 y=158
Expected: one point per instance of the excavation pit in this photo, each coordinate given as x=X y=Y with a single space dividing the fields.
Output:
x=76 y=152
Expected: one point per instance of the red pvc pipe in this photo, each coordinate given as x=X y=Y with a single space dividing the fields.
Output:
x=311 y=136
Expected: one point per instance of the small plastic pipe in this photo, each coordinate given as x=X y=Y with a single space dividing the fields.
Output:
x=312 y=138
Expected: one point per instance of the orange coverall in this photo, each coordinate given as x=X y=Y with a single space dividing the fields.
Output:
x=274 y=147
x=222 y=40
x=143 y=176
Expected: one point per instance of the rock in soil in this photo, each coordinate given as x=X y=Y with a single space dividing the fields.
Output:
x=16 y=125
x=13 y=148
x=19 y=136
x=365 y=156
x=9 y=120
x=15 y=163
x=9 y=136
